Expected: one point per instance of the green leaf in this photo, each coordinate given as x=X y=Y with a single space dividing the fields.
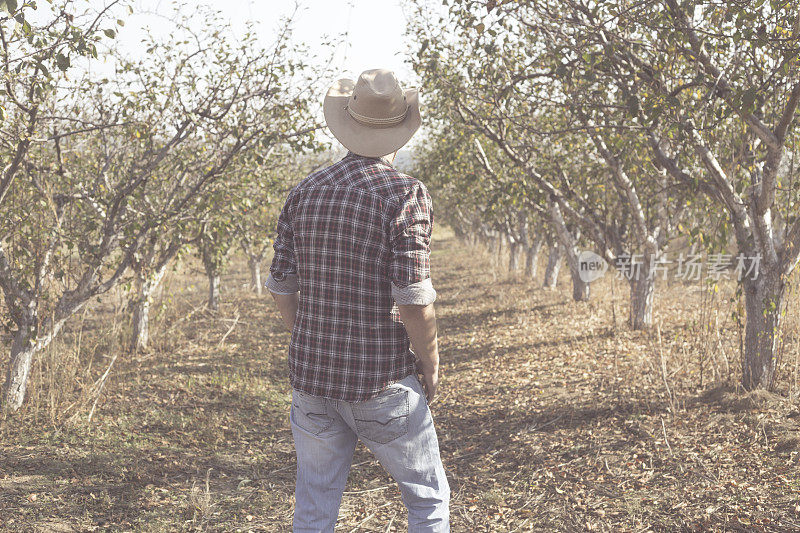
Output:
x=62 y=62
x=748 y=99
x=110 y=33
x=424 y=47
x=633 y=105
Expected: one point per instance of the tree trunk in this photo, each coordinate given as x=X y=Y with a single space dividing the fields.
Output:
x=492 y=245
x=255 y=274
x=213 y=290
x=569 y=245
x=22 y=351
x=459 y=233
x=642 y=292
x=554 y=257
x=764 y=298
x=580 y=289
x=146 y=285
x=24 y=347
x=515 y=250
x=496 y=250
x=531 y=256
x=140 y=335
x=212 y=263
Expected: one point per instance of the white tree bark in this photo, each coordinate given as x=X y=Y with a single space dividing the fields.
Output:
x=140 y=333
x=33 y=334
x=255 y=253
x=24 y=347
x=145 y=287
x=213 y=290
x=642 y=285
x=22 y=352
x=580 y=289
x=532 y=256
x=514 y=255
x=764 y=299
x=255 y=274
x=554 y=257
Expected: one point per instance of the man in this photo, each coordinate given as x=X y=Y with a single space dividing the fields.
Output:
x=354 y=239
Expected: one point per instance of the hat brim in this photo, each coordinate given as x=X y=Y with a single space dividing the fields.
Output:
x=360 y=138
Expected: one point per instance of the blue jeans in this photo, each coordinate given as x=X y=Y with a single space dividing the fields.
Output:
x=397 y=427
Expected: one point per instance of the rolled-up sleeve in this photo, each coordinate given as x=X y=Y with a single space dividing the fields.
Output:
x=410 y=238
x=282 y=278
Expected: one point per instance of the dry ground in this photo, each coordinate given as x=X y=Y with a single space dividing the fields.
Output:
x=552 y=416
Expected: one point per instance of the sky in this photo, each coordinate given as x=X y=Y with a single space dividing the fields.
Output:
x=374 y=28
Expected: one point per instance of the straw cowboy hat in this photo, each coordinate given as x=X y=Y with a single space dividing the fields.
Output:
x=372 y=116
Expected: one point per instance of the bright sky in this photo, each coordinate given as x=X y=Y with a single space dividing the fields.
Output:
x=375 y=29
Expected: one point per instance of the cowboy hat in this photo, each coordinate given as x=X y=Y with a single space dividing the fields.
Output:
x=372 y=116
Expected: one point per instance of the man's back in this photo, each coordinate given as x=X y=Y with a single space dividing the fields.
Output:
x=354 y=240
x=356 y=234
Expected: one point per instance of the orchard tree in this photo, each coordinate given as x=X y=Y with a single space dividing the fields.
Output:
x=117 y=172
x=214 y=245
x=761 y=195
x=283 y=121
x=34 y=212
x=714 y=89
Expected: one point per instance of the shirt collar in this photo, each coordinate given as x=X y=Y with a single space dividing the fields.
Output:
x=383 y=159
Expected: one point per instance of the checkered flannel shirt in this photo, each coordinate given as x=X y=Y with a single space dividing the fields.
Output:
x=354 y=239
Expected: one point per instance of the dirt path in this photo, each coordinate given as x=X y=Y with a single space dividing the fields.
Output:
x=549 y=418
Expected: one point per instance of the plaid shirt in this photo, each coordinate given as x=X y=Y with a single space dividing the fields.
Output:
x=353 y=238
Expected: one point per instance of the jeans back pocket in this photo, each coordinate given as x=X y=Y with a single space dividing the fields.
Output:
x=310 y=412
x=383 y=418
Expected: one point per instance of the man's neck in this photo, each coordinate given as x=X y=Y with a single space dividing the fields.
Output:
x=387 y=159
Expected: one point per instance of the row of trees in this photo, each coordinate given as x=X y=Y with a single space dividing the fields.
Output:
x=105 y=182
x=623 y=126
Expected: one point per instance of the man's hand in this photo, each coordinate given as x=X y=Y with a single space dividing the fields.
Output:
x=420 y=323
x=430 y=382
x=287 y=305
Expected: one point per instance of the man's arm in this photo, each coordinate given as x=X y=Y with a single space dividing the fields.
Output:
x=287 y=305
x=412 y=288
x=420 y=323
x=282 y=280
